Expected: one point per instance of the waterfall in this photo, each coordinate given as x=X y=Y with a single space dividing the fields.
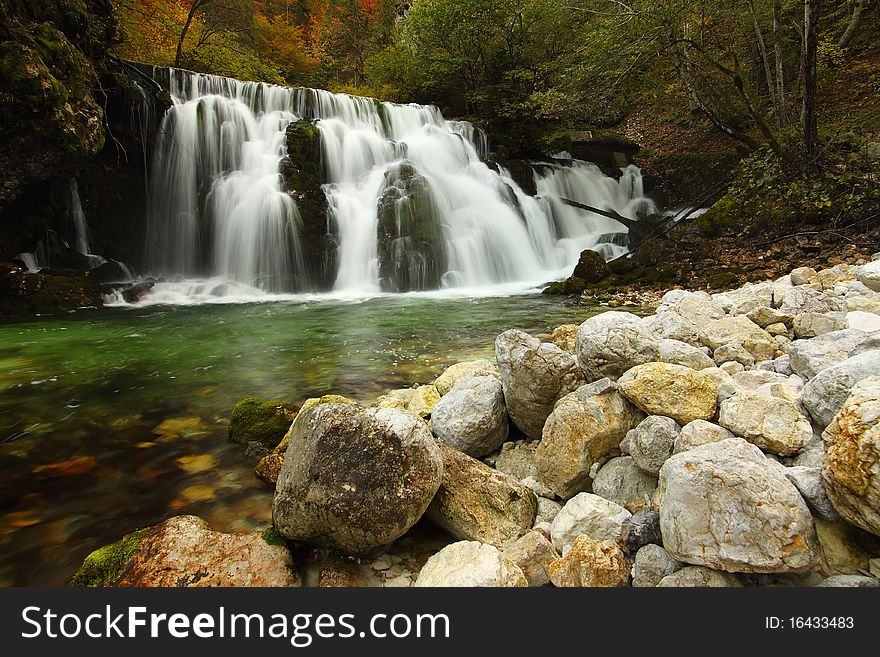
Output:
x=81 y=229
x=411 y=203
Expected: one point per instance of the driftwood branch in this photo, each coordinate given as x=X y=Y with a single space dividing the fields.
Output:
x=611 y=214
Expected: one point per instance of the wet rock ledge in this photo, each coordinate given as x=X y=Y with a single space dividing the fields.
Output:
x=726 y=440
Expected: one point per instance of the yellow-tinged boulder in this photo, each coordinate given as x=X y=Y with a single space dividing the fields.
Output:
x=675 y=391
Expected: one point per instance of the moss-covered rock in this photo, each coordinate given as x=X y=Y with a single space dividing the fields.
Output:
x=46 y=292
x=302 y=178
x=591 y=267
x=47 y=88
x=411 y=244
x=568 y=287
x=105 y=565
x=270 y=465
x=256 y=420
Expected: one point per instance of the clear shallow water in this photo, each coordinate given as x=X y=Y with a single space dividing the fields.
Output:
x=115 y=419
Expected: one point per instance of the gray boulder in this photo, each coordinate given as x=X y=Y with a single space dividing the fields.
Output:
x=809 y=357
x=676 y=352
x=726 y=506
x=802 y=299
x=775 y=425
x=590 y=515
x=534 y=375
x=699 y=432
x=752 y=337
x=652 y=564
x=824 y=395
x=699 y=577
x=611 y=343
x=471 y=416
x=355 y=479
x=849 y=581
x=621 y=481
x=811 y=486
x=652 y=441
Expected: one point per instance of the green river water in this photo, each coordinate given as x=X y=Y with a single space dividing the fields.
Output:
x=115 y=419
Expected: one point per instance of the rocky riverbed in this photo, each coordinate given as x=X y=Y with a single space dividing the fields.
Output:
x=730 y=439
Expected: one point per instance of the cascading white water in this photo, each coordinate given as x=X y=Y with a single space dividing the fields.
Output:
x=412 y=205
x=81 y=230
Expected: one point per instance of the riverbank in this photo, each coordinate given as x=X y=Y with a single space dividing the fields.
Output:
x=724 y=440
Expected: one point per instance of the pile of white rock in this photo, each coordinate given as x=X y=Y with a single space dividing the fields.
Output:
x=725 y=440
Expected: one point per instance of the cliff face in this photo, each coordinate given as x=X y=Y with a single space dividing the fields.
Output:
x=50 y=97
x=71 y=110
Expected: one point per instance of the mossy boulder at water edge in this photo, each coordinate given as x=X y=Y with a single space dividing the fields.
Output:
x=46 y=292
x=264 y=422
x=184 y=551
x=104 y=566
x=590 y=269
x=270 y=465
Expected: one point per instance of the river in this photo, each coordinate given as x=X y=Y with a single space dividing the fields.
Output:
x=115 y=419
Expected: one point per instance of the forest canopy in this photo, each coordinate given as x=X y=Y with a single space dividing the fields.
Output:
x=751 y=68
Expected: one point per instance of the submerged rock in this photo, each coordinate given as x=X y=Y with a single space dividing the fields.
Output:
x=184 y=552
x=534 y=375
x=355 y=479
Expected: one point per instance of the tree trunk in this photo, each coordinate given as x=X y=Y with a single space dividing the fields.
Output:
x=812 y=12
x=178 y=57
x=853 y=24
x=762 y=49
x=782 y=118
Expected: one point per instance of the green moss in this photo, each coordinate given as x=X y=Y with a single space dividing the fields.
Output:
x=723 y=280
x=255 y=420
x=272 y=537
x=103 y=566
x=569 y=287
x=46 y=292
